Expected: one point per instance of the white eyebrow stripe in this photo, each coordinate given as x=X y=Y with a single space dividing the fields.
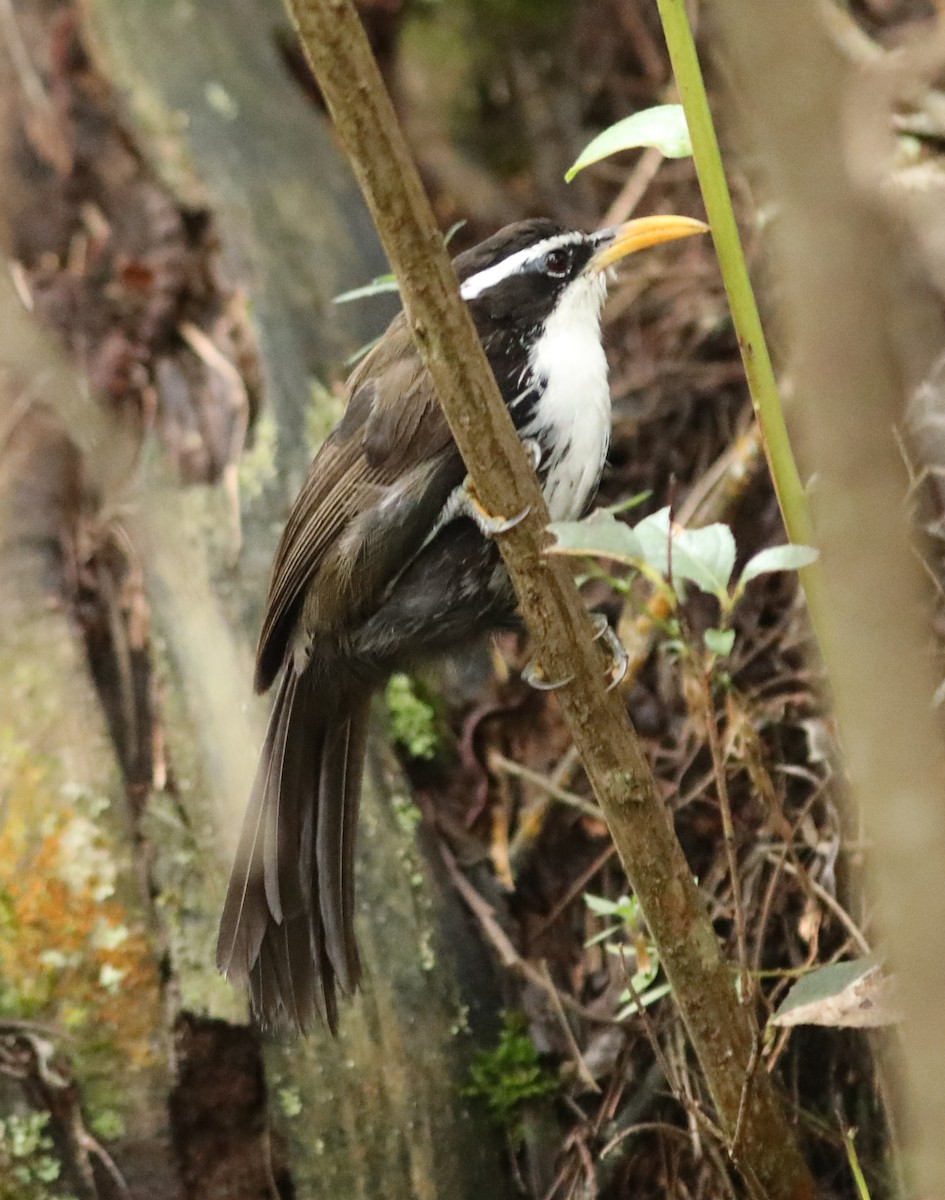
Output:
x=476 y=284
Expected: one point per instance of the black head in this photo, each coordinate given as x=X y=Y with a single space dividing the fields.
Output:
x=517 y=275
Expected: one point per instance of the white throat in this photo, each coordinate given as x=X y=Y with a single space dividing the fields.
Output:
x=574 y=409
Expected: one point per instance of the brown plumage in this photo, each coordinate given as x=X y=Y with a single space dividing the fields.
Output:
x=380 y=566
x=364 y=510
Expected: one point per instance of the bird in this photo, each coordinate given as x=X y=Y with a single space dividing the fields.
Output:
x=387 y=560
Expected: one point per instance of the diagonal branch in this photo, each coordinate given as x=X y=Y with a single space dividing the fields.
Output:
x=722 y=1031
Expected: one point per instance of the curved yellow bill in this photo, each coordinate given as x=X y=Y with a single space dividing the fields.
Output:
x=640 y=233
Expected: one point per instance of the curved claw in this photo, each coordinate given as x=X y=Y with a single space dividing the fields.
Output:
x=621 y=664
x=532 y=674
x=600 y=623
x=464 y=502
x=491 y=526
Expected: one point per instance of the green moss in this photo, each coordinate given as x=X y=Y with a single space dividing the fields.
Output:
x=413 y=719
x=511 y=1076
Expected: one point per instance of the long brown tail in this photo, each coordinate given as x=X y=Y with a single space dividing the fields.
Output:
x=287 y=928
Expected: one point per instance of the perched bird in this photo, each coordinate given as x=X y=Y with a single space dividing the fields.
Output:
x=386 y=561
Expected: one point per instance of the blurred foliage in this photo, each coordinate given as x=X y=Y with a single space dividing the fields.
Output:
x=542 y=18
x=29 y=1168
x=324 y=410
x=473 y=57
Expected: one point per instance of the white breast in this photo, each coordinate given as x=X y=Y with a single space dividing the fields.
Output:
x=572 y=418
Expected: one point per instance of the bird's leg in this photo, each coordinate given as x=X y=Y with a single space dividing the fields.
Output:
x=468 y=505
x=534 y=677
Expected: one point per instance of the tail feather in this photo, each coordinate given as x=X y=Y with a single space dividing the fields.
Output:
x=288 y=920
x=282 y=896
x=330 y=860
x=243 y=922
x=293 y=767
x=357 y=750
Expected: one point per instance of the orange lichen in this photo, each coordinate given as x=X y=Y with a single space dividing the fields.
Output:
x=71 y=952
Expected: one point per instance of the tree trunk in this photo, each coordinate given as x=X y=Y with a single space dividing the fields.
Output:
x=378 y=1111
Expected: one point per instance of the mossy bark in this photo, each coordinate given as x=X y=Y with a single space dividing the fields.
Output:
x=380 y=1110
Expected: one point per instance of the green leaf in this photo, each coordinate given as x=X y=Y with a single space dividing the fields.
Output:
x=603 y=936
x=720 y=641
x=361 y=352
x=600 y=904
x=630 y=502
x=653 y=535
x=853 y=995
x=706 y=557
x=646 y=999
x=599 y=535
x=377 y=287
x=663 y=127
x=627 y=908
x=777 y=558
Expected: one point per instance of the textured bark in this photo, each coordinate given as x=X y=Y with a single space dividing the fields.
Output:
x=379 y=1110
x=722 y=1032
x=49 y=714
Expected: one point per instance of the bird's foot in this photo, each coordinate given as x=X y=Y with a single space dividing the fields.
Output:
x=487 y=523
x=534 y=676
x=492 y=526
x=621 y=659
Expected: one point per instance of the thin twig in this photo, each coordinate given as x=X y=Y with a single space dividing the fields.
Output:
x=751 y=339
x=665 y=1065
x=625 y=202
x=582 y=1069
x=94 y=1147
x=786 y=852
x=578 y=886
x=508 y=955
x=728 y=836
x=746 y=1092
x=834 y=905
x=644 y=1127
x=499 y=763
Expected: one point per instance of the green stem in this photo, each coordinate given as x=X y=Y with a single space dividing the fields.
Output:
x=751 y=339
x=862 y=1187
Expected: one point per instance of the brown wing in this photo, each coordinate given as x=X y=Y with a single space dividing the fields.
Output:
x=367 y=503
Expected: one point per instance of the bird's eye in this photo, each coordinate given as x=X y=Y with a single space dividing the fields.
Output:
x=557 y=263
